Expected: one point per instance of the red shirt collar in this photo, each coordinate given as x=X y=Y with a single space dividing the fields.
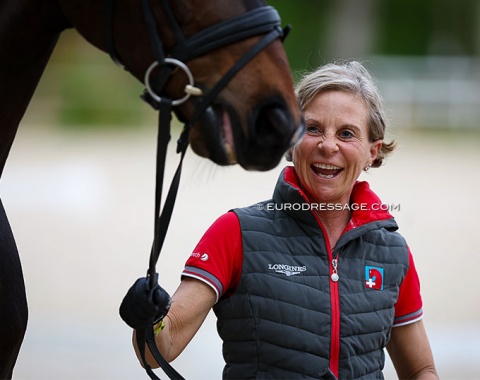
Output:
x=369 y=207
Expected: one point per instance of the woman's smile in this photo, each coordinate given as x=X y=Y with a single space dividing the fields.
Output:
x=326 y=171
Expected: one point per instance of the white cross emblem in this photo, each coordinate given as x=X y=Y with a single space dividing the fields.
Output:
x=370 y=283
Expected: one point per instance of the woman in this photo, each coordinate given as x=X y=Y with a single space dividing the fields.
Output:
x=316 y=281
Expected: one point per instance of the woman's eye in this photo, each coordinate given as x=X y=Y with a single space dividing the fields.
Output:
x=312 y=129
x=346 y=134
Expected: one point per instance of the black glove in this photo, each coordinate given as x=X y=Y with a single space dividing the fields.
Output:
x=143 y=307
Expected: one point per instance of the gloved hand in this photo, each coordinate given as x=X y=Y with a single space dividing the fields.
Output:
x=143 y=307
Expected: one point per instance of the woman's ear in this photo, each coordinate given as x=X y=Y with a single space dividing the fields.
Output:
x=375 y=149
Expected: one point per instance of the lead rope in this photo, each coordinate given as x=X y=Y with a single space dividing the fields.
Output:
x=146 y=337
x=162 y=220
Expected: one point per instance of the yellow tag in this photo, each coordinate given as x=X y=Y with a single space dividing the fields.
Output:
x=158 y=327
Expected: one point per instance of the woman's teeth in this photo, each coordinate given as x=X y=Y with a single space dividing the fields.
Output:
x=326 y=171
x=325 y=166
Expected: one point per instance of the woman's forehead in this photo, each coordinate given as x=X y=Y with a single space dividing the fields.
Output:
x=338 y=105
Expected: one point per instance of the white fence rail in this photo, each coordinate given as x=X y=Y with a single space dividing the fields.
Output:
x=432 y=91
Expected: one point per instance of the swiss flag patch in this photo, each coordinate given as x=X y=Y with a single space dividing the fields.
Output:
x=374 y=277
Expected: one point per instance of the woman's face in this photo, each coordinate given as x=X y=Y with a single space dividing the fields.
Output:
x=335 y=148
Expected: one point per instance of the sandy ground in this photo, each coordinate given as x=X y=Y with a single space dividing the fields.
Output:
x=81 y=207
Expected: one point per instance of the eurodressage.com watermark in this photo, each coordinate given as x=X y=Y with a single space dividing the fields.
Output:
x=328 y=206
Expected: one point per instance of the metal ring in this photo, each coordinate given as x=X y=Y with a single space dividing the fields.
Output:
x=174 y=62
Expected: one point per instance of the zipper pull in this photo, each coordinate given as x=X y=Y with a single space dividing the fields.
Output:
x=334 y=275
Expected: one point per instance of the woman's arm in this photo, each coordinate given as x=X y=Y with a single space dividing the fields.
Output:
x=190 y=305
x=410 y=352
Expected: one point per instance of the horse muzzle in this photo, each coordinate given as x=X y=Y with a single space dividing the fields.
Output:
x=259 y=145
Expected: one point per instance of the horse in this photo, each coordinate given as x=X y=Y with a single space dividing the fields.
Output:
x=213 y=62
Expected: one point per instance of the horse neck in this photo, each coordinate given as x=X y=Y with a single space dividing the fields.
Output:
x=29 y=30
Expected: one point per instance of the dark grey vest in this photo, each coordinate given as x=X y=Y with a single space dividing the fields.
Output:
x=277 y=324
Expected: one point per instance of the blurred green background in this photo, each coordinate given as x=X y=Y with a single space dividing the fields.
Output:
x=425 y=55
x=337 y=29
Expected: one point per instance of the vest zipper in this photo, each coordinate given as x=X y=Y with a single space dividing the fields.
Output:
x=334 y=303
x=334 y=275
x=335 y=307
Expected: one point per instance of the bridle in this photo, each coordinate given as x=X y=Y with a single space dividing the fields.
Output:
x=259 y=21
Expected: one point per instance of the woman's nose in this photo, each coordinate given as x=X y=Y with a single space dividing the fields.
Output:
x=328 y=143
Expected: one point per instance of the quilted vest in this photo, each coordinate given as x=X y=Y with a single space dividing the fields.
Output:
x=278 y=324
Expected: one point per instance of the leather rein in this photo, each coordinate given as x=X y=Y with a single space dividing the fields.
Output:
x=259 y=21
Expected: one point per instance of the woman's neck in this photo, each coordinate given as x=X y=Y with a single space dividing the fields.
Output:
x=334 y=223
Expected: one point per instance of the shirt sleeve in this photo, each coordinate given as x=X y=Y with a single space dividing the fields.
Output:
x=217 y=258
x=409 y=306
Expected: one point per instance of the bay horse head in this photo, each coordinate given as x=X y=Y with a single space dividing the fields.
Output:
x=187 y=47
x=219 y=63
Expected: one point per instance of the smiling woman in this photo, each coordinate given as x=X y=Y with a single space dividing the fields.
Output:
x=313 y=292
x=335 y=148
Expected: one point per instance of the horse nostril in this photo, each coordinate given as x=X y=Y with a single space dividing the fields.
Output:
x=270 y=133
x=273 y=126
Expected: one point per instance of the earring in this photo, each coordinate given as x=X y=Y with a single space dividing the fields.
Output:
x=369 y=165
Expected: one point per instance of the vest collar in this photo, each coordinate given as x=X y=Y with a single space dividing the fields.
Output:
x=288 y=189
